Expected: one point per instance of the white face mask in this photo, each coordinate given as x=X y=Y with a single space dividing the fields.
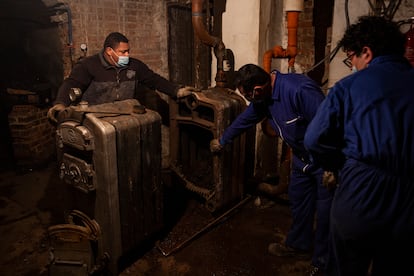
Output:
x=354 y=69
x=122 y=60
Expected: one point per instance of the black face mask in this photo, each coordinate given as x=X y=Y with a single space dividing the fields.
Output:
x=258 y=94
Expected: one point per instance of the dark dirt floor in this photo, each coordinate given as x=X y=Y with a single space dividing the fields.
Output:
x=236 y=245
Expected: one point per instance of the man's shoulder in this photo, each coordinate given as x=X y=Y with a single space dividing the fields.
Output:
x=89 y=60
x=297 y=78
x=138 y=65
x=298 y=83
x=90 y=64
x=136 y=61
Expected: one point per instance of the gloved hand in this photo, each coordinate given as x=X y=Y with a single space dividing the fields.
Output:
x=54 y=110
x=186 y=91
x=215 y=146
x=329 y=179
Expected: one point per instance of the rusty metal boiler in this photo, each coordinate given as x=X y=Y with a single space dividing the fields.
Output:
x=219 y=179
x=110 y=163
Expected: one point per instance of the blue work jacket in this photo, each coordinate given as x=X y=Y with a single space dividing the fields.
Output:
x=368 y=116
x=294 y=101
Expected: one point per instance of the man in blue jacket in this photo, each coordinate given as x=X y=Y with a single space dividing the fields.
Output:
x=365 y=129
x=112 y=75
x=289 y=101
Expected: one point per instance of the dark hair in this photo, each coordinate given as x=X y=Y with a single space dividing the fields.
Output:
x=113 y=40
x=250 y=75
x=381 y=35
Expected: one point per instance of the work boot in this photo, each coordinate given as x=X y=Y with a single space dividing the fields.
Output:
x=281 y=250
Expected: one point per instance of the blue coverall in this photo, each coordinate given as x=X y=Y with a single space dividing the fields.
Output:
x=365 y=128
x=294 y=101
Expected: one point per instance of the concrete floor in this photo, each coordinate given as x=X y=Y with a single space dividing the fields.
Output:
x=236 y=245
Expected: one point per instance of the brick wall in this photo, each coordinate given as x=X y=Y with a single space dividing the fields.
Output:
x=305 y=36
x=143 y=22
x=32 y=135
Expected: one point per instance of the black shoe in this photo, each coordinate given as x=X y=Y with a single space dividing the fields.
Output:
x=281 y=250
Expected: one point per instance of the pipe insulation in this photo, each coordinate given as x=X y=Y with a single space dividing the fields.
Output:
x=294 y=5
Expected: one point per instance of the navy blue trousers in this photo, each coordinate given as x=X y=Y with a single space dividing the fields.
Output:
x=307 y=198
x=372 y=222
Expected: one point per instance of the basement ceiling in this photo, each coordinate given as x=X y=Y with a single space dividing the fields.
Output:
x=27 y=14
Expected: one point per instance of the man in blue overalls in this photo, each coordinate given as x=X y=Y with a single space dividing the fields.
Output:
x=365 y=128
x=289 y=101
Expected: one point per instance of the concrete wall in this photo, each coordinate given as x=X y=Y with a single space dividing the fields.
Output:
x=241 y=30
x=337 y=70
x=252 y=27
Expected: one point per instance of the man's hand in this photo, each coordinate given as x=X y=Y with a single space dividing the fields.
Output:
x=329 y=180
x=186 y=91
x=215 y=146
x=54 y=110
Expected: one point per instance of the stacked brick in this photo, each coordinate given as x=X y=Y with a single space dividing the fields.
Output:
x=33 y=136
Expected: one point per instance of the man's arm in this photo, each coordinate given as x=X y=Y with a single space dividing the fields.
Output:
x=249 y=118
x=78 y=78
x=324 y=136
x=152 y=80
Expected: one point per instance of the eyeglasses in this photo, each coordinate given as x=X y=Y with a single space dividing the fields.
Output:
x=348 y=60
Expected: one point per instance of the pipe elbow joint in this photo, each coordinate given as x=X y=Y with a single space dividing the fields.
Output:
x=292 y=52
x=220 y=50
x=279 y=52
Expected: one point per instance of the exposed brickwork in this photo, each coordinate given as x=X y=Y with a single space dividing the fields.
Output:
x=305 y=36
x=143 y=22
x=33 y=136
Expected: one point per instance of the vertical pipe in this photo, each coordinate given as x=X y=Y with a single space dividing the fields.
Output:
x=66 y=8
x=206 y=38
x=292 y=27
x=293 y=8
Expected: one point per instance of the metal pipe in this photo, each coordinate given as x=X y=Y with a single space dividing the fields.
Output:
x=202 y=230
x=293 y=8
x=292 y=26
x=66 y=8
x=206 y=38
x=276 y=52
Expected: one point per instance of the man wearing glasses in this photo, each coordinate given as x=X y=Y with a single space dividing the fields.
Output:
x=365 y=129
x=289 y=101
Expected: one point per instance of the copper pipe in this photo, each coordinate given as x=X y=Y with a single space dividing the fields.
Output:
x=206 y=38
x=292 y=26
x=198 y=24
x=291 y=50
x=276 y=52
